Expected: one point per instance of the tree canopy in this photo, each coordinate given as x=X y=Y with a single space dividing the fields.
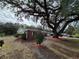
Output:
x=56 y=14
x=8 y=28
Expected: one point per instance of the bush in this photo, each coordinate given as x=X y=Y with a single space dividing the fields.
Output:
x=17 y=35
x=39 y=38
x=23 y=36
x=2 y=34
x=76 y=35
x=1 y=43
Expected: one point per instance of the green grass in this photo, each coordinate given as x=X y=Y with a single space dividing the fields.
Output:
x=76 y=35
x=75 y=41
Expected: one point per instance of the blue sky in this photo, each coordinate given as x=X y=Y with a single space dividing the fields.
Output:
x=7 y=16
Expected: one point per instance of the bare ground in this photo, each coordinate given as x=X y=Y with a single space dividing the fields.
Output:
x=18 y=49
x=57 y=47
x=14 y=50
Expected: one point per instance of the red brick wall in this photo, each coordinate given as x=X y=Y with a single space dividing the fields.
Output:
x=30 y=35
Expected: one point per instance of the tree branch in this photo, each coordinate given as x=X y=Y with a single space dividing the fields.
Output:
x=72 y=14
x=49 y=25
x=26 y=11
x=67 y=22
x=39 y=4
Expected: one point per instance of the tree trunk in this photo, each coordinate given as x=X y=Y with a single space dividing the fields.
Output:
x=55 y=36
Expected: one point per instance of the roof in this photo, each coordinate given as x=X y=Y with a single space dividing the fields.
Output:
x=36 y=30
x=32 y=30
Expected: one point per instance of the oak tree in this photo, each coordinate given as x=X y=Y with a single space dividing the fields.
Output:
x=56 y=14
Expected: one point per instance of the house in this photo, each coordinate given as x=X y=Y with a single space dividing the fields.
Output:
x=32 y=33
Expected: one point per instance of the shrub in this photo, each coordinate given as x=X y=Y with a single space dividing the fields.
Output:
x=2 y=34
x=17 y=35
x=39 y=38
x=1 y=43
x=23 y=36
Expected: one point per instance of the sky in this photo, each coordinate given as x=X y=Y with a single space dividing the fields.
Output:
x=7 y=16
